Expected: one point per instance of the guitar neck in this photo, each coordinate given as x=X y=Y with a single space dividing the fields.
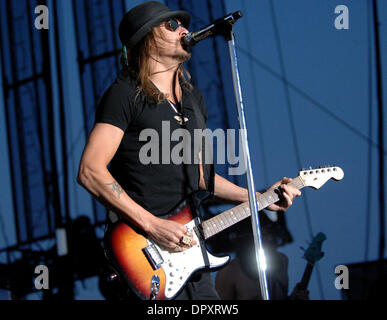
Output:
x=306 y=276
x=230 y=217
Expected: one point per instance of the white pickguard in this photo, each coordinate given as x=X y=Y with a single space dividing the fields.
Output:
x=179 y=266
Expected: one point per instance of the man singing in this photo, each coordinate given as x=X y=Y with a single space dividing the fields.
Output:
x=151 y=90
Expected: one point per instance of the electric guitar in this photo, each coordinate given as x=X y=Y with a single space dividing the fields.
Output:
x=155 y=273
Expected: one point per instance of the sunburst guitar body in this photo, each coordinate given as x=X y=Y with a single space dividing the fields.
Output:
x=146 y=266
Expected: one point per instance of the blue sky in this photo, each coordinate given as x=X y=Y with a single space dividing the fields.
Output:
x=327 y=101
x=322 y=116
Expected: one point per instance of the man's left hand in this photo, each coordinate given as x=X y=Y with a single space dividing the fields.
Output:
x=288 y=195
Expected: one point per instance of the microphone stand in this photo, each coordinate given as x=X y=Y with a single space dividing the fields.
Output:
x=225 y=28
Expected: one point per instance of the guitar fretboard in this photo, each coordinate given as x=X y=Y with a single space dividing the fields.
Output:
x=306 y=276
x=230 y=217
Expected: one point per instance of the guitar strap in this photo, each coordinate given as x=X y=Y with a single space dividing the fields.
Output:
x=203 y=247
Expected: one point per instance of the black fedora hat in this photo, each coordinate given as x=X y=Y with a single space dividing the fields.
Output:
x=140 y=20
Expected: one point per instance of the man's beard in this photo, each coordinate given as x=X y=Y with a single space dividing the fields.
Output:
x=182 y=56
x=180 y=53
x=185 y=54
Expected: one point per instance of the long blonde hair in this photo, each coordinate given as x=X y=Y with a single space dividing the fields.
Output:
x=138 y=67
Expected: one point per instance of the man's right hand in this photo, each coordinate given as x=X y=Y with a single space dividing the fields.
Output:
x=169 y=234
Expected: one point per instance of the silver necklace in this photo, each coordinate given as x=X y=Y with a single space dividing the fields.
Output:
x=179 y=118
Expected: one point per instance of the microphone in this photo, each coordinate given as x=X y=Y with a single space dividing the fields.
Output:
x=218 y=27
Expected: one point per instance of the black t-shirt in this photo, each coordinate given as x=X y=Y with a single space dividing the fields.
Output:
x=156 y=186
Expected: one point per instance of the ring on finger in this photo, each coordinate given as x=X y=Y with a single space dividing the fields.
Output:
x=186 y=240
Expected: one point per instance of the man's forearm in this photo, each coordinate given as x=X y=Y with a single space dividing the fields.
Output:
x=227 y=190
x=101 y=184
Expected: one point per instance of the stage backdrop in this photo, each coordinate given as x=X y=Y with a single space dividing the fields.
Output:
x=310 y=92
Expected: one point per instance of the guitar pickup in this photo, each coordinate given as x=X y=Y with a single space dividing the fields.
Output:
x=154 y=256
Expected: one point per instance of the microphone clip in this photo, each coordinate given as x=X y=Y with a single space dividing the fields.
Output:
x=222 y=26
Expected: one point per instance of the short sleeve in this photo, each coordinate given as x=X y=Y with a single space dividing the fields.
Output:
x=115 y=107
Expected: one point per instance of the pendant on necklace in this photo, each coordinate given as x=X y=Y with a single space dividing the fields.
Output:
x=180 y=119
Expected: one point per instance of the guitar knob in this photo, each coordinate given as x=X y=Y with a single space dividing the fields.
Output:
x=172 y=274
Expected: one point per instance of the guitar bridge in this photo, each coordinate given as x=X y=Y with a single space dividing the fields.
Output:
x=154 y=256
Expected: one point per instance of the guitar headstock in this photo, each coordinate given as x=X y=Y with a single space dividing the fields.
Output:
x=314 y=253
x=316 y=178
